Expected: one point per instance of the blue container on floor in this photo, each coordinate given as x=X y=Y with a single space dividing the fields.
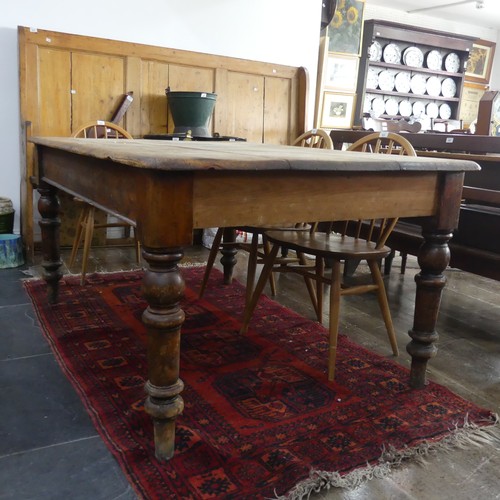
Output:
x=11 y=251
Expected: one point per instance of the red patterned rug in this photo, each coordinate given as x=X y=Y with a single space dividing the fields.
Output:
x=260 y=418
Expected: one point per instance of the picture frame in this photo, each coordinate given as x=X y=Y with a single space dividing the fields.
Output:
x=345 y=30
x=337 y=110
x=480 y=62
x=341 y=72
x=469 y=106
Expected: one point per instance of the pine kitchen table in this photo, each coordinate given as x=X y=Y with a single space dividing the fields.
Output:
x=170 y=188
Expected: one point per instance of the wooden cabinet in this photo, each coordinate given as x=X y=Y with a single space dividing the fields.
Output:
x=410 y=72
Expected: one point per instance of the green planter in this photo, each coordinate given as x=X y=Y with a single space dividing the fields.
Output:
x=191 y=111
x=6 y=215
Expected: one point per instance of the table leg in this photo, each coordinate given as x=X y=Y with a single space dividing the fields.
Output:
x=163 y=288
x=228 y=259
x=48 y=206
x=433 y=258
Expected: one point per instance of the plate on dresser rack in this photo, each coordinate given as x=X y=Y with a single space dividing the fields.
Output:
x=449 y=87
x=405 y=108
x=414 y=57
x=434 y=60
x=402 y=82
x=372 y=78
x=445 y=111
x=432 y=110
x=392 y=106
x=392 y=54
x=418 y=84
x=433 y=86
x=386 y=80
x=452 y=62
x=375 y=52
x=418 y=108
x=378 y=107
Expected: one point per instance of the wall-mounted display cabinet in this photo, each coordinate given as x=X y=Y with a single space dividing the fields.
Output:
x=410 y=72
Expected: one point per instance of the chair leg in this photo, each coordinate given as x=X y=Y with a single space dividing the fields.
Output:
x=87 y=242
x=261 y=283
x=79 y=233
x=384 y=305
x=404 y=258
x=388 y=263
x=211 y=259
x=335 y=289
x=137 y=247
x=252 y=266
x=272 y=281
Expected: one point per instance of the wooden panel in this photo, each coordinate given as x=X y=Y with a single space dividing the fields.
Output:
x=98 y=85
x=104 y=70
x=277 y=111
x=153 y=101
x=54 y=95
x=245 y=114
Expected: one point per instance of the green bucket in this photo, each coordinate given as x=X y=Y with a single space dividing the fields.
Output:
x=6 y=215
x=191 y=111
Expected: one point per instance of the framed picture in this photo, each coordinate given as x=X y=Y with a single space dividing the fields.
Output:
x=341 y=72
x=480 y=61
x=337 y=110
x=469 y=104
x=346 y=28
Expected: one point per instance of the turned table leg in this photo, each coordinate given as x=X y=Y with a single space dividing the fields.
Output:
x=163 y=288
x=48 y=206
x=433 y=258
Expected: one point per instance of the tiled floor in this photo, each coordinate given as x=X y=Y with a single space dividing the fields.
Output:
x=49 y=448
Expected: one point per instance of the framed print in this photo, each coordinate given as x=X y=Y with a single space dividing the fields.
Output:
x=337 y=110
x=480 y=61
x=346 y=28
x=469 y=103
x=341 y=72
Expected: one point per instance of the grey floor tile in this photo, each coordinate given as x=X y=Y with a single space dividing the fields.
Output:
x=80 y=470
x=38 y=406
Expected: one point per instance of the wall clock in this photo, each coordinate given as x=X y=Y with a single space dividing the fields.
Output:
x=488 y=116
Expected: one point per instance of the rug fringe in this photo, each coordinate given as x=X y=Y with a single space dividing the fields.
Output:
x=460 y=437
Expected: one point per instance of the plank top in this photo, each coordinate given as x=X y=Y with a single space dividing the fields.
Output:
x=241 y=156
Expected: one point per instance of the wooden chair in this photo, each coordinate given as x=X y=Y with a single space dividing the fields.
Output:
x=86 y=224
x=315 y=138
x=365 y=242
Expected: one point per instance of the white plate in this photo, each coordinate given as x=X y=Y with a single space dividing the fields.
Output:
x=372 y=78
x=449 y=87
x=434 y=60
x=418 y=108
x=375 y=51
x=452 y=62
x=392 y=54
x=433 y=86
x=391 y=106
x=405 y=108
x=432 y=110
x=386 y=80
x=444 y=111
x=414 y=57
x=418 y=84
x=402 y=82
x=378 y=106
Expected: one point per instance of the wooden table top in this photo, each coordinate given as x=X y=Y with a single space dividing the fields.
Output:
x=234 y=156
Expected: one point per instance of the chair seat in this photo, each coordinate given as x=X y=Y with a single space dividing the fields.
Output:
x=328 y=245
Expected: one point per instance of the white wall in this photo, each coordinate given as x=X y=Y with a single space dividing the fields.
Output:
x=278 y=31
